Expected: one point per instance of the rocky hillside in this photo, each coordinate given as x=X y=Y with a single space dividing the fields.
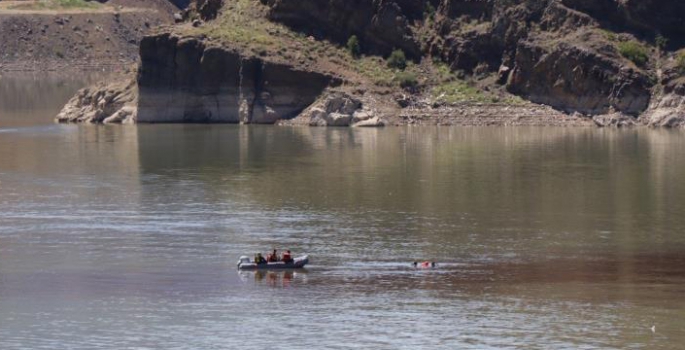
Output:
x=617 y=61
x=59 y=35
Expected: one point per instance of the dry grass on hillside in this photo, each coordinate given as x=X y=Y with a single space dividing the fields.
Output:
x=243 y=25
x=52 y=5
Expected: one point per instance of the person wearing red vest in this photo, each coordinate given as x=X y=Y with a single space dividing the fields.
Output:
x=287 y=257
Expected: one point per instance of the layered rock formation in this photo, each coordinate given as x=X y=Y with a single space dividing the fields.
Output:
x=575 y=79
x=183 y=80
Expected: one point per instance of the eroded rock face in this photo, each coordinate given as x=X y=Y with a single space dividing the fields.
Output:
x=182 y=80
x=208 y=9
x=381 y=25
x=576 y=79
x=103 y=103
x=668 y=108
x=617 y=120
x=665 y=17
x=339 y=109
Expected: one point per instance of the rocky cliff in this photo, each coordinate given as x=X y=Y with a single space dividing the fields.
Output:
x=588 y=56
x=271 y=59
x=380 y=25
x=186 y=80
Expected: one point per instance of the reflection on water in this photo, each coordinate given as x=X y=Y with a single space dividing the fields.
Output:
x=127 y=237
x=26 y=99
x=275 y=278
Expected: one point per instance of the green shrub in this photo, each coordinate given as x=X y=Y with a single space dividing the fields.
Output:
x=406 y=79
x=634 y=51
x=661 y=41
x=680 y=62
x=397 y=60
x=353 y=46
x=609 y=35
x=429 y=11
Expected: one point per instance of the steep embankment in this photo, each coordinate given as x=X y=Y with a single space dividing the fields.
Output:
x=51 y=36
x=602 y=61
x=197 y=82
x=594 y=57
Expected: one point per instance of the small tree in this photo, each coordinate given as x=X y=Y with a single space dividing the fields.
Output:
x=353 y=46
x=397 y=60
x=661 y=41
x=634 y=51
x=429 y=11
x=680 y=62
x=407 y=80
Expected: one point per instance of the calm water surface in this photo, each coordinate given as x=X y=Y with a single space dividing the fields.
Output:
x=118 y=237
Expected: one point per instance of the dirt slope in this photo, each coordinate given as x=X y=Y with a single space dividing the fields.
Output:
x=35 y=38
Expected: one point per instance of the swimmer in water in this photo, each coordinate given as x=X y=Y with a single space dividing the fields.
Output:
x=424 y=264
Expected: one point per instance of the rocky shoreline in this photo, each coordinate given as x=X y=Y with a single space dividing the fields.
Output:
x=117 y=103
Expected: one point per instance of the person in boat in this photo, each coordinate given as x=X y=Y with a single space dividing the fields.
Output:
x=273 y=257
x=259 y=259
x=287 y=257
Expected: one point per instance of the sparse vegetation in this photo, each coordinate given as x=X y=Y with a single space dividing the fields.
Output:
x=397 y=60
x=406 y=80
x=634 y=51
x=242 y=26
x=680 y=62
x=661 y=41
x=353 y=46
x=456 y=91
x=56 y=4
x=429 y=11
x=450 y=89
x=609 y=35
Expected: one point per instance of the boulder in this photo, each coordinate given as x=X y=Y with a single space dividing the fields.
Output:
x=371 y=122
x=338 y=119
x=207 y=9
x=334 y=109
x=614 y=119
x=667 y=118
x=102 y=103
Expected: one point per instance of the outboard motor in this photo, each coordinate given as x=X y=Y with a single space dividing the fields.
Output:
x=243 y=260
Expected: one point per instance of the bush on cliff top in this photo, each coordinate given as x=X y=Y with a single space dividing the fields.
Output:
x=407 y=80
x=353 y=46
x=680 y=62
x=397 y=60
x=429 y=11
x=634 y=51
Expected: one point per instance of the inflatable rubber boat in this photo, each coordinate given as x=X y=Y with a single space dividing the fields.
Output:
x=245 y=264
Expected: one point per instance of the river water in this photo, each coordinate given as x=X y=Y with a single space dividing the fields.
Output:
x=124 y=237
